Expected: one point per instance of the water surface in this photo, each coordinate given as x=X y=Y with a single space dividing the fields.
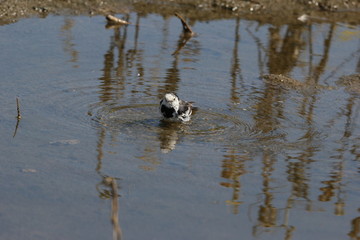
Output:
x=260 y=159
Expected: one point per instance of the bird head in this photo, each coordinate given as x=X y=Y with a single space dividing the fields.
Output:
x=172 y=100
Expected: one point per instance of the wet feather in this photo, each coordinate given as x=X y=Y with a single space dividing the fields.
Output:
x=172 y=107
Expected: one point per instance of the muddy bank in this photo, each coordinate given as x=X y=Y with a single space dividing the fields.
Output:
x=263 y=11
x=275 y=12
x=13 y=10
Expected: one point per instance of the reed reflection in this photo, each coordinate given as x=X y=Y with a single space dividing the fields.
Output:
x=284 y=50
x=335 y=184
x=187 y=49
x=235 y=70
x=124 y=73
x=68 y=41
x=107 y=187
x=354 y=234
x=170 y=132
x=117 y=62
x=282 y=54
x=233 y=167
x=113 y=78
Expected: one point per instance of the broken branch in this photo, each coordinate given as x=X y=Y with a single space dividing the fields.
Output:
x=186 y=28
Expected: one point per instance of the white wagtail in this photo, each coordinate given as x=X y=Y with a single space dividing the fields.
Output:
x=172 y=107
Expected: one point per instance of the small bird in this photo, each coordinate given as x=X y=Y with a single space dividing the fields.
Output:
x=172 y=107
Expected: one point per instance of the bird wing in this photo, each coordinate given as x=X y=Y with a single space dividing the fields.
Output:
x=185 y=108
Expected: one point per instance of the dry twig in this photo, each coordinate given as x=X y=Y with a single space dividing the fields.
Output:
x=18 y=109
x=18 y=117
x=186 y=28
x=185 y=37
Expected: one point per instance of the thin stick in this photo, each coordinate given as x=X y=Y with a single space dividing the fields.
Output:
x=18 y=109
x=18 y=117
x=16 y=127
x=186 y=28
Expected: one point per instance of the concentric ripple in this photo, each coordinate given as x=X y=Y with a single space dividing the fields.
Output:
x=143 y=121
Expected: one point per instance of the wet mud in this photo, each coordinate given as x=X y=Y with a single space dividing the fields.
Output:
x=264 y=11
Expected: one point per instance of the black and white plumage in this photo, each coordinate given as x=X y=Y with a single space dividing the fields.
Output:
x=172 y=107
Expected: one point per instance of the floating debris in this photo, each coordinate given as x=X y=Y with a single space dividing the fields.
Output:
x=65 y=142
x=112 y=20
x=28 y=170
x=303 y=18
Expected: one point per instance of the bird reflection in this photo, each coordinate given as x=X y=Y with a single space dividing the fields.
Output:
x=168 y=135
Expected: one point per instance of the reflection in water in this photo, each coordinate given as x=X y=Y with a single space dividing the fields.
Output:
x=267 y=214
x=173 y=78
x=108 y=189
x=235 y=66
x=185 y=36
x=283 y=51
x=121 y=112
x=183 y=39
x=355 y=231
x=112 y=88
x=168 y=135
x=113 y=79
x=233 y=167
x=259 y=158
x=68 y=40
x=335 y=183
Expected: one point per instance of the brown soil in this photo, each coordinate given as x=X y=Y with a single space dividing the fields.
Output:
x=264 y=11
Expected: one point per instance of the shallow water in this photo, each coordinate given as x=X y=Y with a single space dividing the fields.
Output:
x=258 y=160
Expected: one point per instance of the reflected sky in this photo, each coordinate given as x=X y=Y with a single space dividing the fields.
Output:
x=269 y=158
